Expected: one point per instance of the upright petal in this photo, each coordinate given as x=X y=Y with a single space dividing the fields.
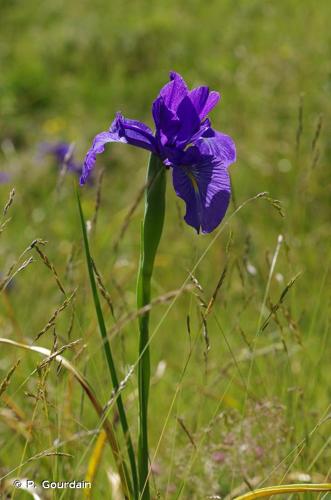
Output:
x=180 y=115
x=122 y=130
x=166 y=122
x=204 y=100
x=174 y=91
x=189 y=122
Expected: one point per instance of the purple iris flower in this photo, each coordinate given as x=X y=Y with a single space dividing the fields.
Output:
x=185 y=141
x=4 y=178
x=62 y=152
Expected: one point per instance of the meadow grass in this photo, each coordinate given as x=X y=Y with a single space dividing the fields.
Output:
x=240 y=395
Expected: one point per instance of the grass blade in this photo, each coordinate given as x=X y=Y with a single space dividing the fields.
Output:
x=286 y=488
x=48 y=354
x=95 y=461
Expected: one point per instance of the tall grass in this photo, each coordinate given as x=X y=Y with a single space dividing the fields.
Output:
x=249 y=408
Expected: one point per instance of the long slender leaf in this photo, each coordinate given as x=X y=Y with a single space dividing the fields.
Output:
x=108 y=353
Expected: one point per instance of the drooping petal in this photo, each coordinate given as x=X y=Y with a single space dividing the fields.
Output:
x=98 y=147
x=203 y=100
x=203 y=183
x=133 y=132
x=185 y=190
x=122 y=130
x=214 y=185
x=217 y=144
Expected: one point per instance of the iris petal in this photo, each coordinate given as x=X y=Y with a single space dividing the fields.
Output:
x=215 y=190
x=184 y=189
x=189 y=122
x=217 y=144
x=204 y=100
x=122 y=130
x=203 y=182
x=166 y=122
x=174 y=92
x=133 y=132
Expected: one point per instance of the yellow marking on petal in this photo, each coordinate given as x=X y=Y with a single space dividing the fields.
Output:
x=192 y=179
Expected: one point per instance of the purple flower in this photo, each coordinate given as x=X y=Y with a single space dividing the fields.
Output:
x=4 y=177
x=185 y=141
x=63 y=155
x=218 y=457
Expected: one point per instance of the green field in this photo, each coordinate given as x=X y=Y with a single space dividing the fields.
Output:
x=244 y=400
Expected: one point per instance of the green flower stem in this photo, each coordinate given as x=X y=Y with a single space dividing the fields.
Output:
x=110 y=361
x=150 y=237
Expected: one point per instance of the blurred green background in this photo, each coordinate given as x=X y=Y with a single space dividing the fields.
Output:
x=65 y=69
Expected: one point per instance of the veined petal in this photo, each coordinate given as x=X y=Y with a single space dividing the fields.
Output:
x=204 y=184
x=185 y=190
x=218 y=144
x=133 y=132
x=180 y=115
x=215 y=191
x=174 y=91
x=122 y=130
x=98 y=147
x=204 y=100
